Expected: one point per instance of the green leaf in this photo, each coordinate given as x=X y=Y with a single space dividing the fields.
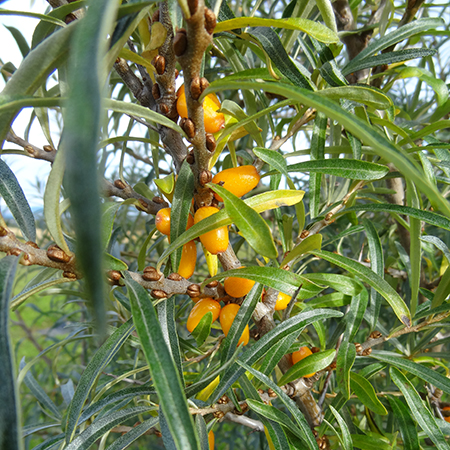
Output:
x=142 y=112
x=10 y=427
x=341 y=283
x=45 y=28
x=278 y=350
x=39 y=393
x=18 y=299
x=379 y=144
x=334 y=300
x=312 y=242
x=438 y=86
x=367 y=276
x=344 y=363
x=203 y=329
x=272 y=45
x=355 y=315
x=366 y=393
x=424 y=373
x=15 y=199
x=311 y=364
x=181 y=205
x=418 y=410
x=240 y=322
x=200 y=425
x=95 y=367
x=442 y=290
x=274 y=432
x=405 y=423
x=426 y=216
x=51 y=202
x=288 y=402
x=133 y=435
x=319 y=136
x=4 y=12
x=292 y=325
x=369 y=442
x=345 y=439
x=377 y=265
x=345 y=168
x=33 y=71
x=327 y=13
x=109 y=216
x=166 y=316
x=438 y=243
x=118 y=396
x=338 y=403
x=366 y=95
x=273 y=158
x=252 y=226
x=275 y=415
x=260 y=203
x=100 y=426
x=388 y=58
x=84 y=112
x=398 y=35
x=112 y=263
x=162 y=368
x=20 y=40
x=314 y=29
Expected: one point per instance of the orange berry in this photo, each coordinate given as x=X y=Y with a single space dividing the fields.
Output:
x=237 y=180
x=300 y=354
x=237 y=287
x=211 y=440
x=188 y=260
x=215 y=241
x=227 y=316
x=162 y=221
x=213 y=121
x=282 y=301
x=190 y=222
x=446 y=408
x=204 y=306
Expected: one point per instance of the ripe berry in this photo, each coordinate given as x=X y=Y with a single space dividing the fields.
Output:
x=446 y=408
x=237 y=287
x=215 y=241
x=211 y=440
x=213 y=121
x=188 y=260
x=201 y=308
x=300 y=354
x=162 y=221
x=227 y=316
x=282 y=301
x=237 y=180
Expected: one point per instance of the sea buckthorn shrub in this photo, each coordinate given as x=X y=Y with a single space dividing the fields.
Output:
x=279 y=167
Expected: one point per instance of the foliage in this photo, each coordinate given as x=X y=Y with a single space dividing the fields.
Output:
x=342 y=109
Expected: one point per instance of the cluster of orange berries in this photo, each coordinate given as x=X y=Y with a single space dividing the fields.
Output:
x=213 y=120
x=189 y=254
x=226 y=316
x=239 y=181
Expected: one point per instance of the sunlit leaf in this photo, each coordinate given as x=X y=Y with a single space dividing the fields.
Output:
x=252 y=226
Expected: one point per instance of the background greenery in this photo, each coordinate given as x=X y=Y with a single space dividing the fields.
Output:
x=82 y=362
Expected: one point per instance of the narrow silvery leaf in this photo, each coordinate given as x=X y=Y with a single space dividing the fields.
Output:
x=10 y=427
x=84 y=111
x=15 y=199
